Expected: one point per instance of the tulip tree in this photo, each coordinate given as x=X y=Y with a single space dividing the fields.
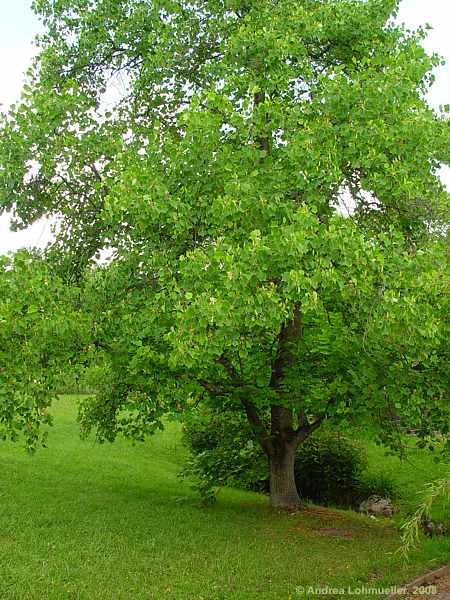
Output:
x=217 y=176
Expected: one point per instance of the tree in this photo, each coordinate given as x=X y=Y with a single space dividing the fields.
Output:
x=215 y=176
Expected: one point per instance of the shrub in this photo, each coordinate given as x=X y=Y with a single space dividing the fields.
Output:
x=222 y=453
x=328 y=467
x=377 y=484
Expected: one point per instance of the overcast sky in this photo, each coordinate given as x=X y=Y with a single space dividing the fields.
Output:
x=18 y=26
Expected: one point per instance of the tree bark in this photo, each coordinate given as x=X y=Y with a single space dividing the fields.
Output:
x=283 y=490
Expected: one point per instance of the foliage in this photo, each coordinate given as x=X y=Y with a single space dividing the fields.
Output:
x=337 y=79
x=234 y=279
x=412 y=527
x=42 y=333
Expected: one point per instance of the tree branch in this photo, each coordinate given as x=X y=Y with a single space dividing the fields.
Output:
x=258 y=426
x=263 y=142
x=227 y=365
x=289 y=331
x=211 y=388
x=305 y=430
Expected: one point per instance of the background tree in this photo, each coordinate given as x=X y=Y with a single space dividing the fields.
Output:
x=216 y=177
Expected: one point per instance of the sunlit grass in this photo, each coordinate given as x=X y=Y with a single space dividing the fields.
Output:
x=411 y=476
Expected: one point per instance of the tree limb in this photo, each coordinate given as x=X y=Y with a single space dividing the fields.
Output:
x=284 y=358
x=258 y=426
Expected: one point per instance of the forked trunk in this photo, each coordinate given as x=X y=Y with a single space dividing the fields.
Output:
x=283 y=490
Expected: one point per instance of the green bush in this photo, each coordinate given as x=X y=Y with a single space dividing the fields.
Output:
x=223 y=453
x=329 y=466
x=377 y=484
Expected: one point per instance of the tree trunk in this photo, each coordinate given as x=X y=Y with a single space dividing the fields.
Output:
x=283 y=491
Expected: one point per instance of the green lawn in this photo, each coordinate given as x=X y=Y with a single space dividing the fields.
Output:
x=411 y=476
x=80 y=520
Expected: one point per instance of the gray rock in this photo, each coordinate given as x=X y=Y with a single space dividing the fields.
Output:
x=432 y=528
x=377 y=506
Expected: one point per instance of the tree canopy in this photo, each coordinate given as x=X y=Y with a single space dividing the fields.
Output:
x=217 y=177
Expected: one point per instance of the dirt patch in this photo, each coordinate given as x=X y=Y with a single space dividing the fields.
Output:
x=327 y=522
x=336 y=533
x=324 y=514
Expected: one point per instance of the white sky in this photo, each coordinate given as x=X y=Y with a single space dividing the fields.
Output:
x=18 y=26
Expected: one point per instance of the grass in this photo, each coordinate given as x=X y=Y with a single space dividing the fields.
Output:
x=85 y=521
x=411 y=477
